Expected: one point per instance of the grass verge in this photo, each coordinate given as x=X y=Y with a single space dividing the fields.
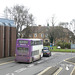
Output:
x=61 y=50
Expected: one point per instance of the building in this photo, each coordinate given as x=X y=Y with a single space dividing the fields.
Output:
x=7 y=38
x=42 y=32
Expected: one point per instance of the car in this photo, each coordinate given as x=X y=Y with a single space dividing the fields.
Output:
x=44 y=48
x=46 y=53
x=58 y=47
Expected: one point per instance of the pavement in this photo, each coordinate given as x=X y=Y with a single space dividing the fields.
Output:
x=7 y=59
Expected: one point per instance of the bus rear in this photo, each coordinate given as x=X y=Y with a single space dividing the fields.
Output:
x=22 y=53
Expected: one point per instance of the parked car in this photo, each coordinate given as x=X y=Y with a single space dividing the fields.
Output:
x=58 y=47
x=46 y=51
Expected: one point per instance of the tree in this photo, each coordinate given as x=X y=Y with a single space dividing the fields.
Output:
x=6 y=12
x=73 y=25
x=58 y=33
x=21 y=17
x=64 y=24
x=51 y=34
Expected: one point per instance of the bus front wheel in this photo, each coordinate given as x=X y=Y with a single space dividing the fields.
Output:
x=32 y=60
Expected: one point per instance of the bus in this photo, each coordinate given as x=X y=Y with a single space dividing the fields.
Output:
x=28 y=50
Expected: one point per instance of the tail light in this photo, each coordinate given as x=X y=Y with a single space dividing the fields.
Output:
x=27 y=57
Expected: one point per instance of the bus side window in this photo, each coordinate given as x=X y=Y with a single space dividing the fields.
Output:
x=32 y=43
x=35 y=52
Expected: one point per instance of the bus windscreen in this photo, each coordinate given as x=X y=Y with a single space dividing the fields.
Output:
x=23 y=42
x=22 y=49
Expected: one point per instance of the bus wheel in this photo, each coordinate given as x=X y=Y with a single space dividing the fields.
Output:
x=40 y=57
x=32 y=60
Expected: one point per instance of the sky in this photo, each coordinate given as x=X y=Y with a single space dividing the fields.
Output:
x=43 y=10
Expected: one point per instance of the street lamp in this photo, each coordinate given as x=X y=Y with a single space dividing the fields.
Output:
x=71 y=44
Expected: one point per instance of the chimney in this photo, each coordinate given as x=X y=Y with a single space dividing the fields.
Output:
x=39 y=25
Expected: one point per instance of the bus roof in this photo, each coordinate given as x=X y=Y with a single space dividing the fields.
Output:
x=28 y=39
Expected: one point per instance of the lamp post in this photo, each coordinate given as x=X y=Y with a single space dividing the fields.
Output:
x=71 y=44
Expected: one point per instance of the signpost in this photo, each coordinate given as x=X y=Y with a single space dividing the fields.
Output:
x=72 y=46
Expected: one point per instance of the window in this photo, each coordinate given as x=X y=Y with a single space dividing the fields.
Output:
x=32 y=43
x=42 y=35
x=22 y=50
x=23 y=42
x=35 y=52
x=36 y=42
x=46 y=40
x=35 y=35
x=30 y=35
x=46 y=35
x=69 y=41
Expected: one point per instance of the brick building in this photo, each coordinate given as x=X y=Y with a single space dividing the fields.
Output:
x=7 y=38
x=41 y=32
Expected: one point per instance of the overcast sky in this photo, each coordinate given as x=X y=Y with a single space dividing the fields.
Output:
x=64 y=10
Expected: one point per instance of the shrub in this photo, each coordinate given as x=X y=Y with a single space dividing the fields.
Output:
x=63 y=45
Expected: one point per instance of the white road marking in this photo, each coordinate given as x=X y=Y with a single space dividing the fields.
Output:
x=20 y=70
x=10 y=74
x=31 y=65
x=40 y=61
x=46 y=58
x=69 y=65
x=67 y=68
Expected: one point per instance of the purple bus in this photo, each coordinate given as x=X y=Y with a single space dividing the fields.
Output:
x=28 y=50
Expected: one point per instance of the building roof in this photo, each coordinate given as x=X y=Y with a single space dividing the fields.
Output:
x=45 y=29
x=7 y=22
x=38 y=29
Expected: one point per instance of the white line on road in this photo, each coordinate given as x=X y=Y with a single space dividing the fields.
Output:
x=40 y=61
x=10 y=74
x=31 y=65
x=46 y=58
x=20 y=70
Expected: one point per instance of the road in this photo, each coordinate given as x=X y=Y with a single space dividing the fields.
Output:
x=57 y=59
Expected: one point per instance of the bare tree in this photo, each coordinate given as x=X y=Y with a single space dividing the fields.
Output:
x=21 y=17
x=6 y=12
x=52 y=33
x=72 y=23
x=64 y=24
